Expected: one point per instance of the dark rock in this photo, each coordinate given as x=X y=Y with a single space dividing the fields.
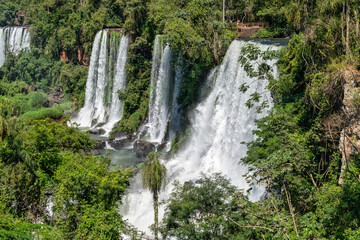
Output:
x=120 y=135
x=94 y=122
x=99 y=125
x=57 y=95
x=161 y=146
x=99 y=144
x=124 y=135
x=143 y=148
x=118 y=144
x=97 y=131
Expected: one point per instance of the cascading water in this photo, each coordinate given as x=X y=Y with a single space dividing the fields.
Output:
x=176 y=114
x=160 y=98
x=13 y=39
x=115 y=110
x=219 y=124
x=164 y=111
x=106 y=76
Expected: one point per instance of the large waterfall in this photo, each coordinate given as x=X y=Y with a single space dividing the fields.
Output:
x=219 y=124
x=13 y=39
x=164 y=92
x=102 y=107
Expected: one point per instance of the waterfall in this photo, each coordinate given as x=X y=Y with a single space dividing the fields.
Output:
x=176 y=114
x=160 y=98
x=164 y=111
x=118 y=83
x=219 y=124
x=106 y=76
x=13 y=39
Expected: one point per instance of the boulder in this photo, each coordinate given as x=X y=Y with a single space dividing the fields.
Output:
x=124 y=135
x=143 y=148
x=118 y=144
x=99 y=144
x=94 y=122
x=99 y=125
x=97 y=131
x=162 y=146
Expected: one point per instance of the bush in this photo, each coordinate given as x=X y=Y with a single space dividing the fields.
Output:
x=37 y=100
x=53 y=113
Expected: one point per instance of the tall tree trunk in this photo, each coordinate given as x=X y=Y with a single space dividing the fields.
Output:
x=348 y=28
x=156 y=214
x=288 y=197
x=342 y=25
x=224 y=1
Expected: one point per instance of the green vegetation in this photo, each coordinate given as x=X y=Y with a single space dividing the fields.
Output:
x=42 y=164
x=312 y=183
x=201 y=210
x=53 y=113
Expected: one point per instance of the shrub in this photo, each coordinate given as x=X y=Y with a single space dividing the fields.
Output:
x=53 y=113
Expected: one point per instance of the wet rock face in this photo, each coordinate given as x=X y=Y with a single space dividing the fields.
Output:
x=98 y=131
x=118 y=144
x=124 y=135
x=99 y=144
x=349 y=143
x=57 y=95
x=143 y=148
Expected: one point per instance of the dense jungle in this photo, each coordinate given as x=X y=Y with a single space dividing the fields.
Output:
x=225 y=137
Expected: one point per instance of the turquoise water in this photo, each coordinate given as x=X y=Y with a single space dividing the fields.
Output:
x=123 y=157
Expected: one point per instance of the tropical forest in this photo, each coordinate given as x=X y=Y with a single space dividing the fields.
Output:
x=179 y=119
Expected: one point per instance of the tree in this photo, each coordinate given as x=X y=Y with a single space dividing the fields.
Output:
x=154 y=178
x=207 y=209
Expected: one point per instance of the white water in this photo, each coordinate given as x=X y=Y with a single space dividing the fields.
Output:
x=219 y=124
x=119 y=82
x=176 y=113
x=160 y=96
x=102 y=84
x=13 y=39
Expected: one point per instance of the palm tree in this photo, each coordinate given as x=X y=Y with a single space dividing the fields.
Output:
x=154 y=178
